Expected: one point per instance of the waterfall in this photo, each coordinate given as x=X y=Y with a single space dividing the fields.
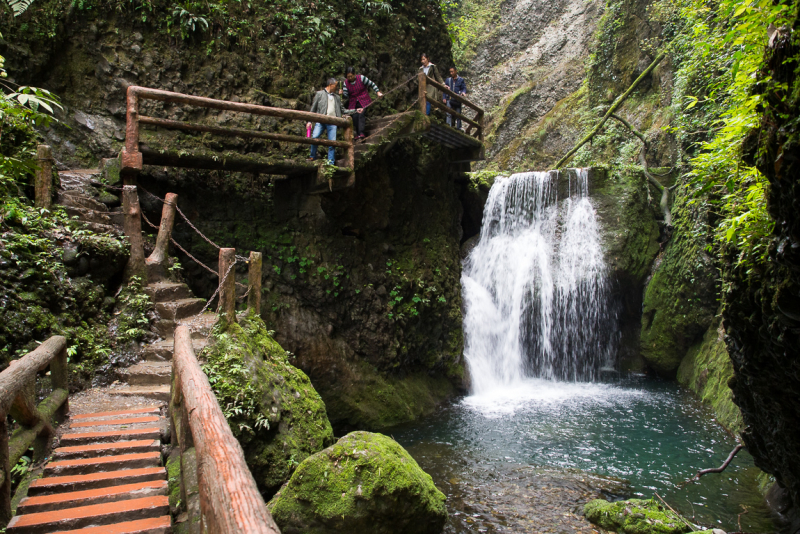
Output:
x=535 y=290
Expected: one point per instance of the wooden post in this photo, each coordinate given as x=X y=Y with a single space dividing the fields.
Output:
x=254 y=277
x=5 y=465
x=350 y=154
x=227 y=286
x=423 y=95
x=44 y=177
x=161 y=251
x=480 y=122
x=133 y=229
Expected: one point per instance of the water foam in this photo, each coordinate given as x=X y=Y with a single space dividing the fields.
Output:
x=535 y=288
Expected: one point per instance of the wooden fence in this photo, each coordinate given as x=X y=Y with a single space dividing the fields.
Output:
x=229 y=499
x=476 y=122
x=18 y=399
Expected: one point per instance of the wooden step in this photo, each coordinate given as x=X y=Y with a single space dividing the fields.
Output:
x=85 y=466
x=84 y=438
x=148 y=374
x=150 y=392
x=47 y=503
x=107 y=449
x=92 y=515
x=51 y=485
x=179 y=309
x=148 y=409
x=115 y=422
x=154 y=525
x=161 y=351
x=166 y=291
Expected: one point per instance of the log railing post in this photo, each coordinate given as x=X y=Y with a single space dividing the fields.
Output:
x=131 y=159
x=254 y=277
x=5 y=464
x=155 y=262
x=227 y=286
x=480 y=122
x=44 y=177
x=350 y=154
x=423 y=95
x=133 y=229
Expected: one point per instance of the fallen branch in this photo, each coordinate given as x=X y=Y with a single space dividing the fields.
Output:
x=676 y=513
x=719 y=469
x=617 y=103
x=633 y=130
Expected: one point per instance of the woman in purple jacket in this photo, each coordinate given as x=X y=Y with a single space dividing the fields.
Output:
x=356 y=89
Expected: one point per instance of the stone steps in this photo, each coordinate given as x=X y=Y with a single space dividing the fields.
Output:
x=148 y=373
x=105 y=477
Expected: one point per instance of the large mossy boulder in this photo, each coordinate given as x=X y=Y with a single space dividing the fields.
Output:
x=271 y=406
x=365 y=483
x=634 y=516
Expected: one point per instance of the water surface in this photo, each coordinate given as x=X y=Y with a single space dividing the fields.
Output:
x=521 y=459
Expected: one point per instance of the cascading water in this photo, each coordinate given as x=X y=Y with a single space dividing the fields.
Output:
x=536 y=296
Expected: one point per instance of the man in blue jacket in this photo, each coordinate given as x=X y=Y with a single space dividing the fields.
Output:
x=458 y=85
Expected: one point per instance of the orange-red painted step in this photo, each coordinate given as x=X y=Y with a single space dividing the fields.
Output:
x=50 y=485
x=115 y=422
x=155 y=525
x=46 y=503
x=148 y=409
x=103 y=463
x=110 y=435
x=106 y=449
x=96 y=514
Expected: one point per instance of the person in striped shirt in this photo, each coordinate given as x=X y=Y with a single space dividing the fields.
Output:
x=356 y=90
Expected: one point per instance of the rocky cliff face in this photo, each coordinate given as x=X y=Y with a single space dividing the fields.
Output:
x=362 y=286
x=762 y=311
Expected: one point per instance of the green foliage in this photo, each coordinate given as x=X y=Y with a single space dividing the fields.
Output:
x=635 y=516
x=468 y=23
x=134 y=306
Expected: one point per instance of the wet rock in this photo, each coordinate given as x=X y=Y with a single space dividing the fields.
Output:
x=364 y=483
x=635 y=516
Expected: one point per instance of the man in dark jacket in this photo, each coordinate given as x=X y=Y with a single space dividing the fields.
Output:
x=458 y=85
x=327 y=102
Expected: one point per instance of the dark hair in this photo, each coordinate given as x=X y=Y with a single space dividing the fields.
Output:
x=331 y=81
x=425 y=54
x=349 y=70
x=454 y=68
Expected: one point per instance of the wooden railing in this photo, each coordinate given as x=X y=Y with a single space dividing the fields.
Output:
x=229 y=499
x=18 y=397
x=476 y=122
x=132 y=160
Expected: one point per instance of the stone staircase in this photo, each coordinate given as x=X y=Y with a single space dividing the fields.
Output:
x=105 y=477
x=80 y=199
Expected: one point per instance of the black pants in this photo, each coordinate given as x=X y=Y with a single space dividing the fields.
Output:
x=359 y=122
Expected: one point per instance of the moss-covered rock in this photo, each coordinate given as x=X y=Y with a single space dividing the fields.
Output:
x=706 y=369
x=364 y=483
x=634 y=516
x=271 y=406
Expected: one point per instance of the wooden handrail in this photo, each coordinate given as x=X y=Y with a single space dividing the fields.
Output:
x=132 y=160
x=456 y=114
x=452 y=94
x=17 y=397
x=477 y=122
x=229 y=499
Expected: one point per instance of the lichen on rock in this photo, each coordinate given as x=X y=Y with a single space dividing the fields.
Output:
x=364 y=483
x=271 y=406
x=634 y=516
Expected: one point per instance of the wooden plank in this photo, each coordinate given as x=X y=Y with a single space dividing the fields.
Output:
x=240 y=132
x=229 y=499
x=450 y=111
x=179 y=98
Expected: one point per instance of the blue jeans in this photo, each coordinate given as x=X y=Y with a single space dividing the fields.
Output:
x=427 y=108
x=318 y=127
x=456 y=106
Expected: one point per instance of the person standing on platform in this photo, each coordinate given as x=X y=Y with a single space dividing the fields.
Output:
x=356 y=90
x=458 y=85
x=432 y=72
x=327 y=102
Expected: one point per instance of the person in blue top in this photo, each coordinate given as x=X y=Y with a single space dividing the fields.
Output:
x=458 y=85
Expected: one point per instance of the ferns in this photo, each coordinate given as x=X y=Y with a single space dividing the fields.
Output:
x=19 y=6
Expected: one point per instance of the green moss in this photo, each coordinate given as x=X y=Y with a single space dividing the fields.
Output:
x=706 y=369
x=174 y=480
x=364 y=483
x=634 y=516
x=271 y=406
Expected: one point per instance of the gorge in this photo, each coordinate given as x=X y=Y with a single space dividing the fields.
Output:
x=534 y=338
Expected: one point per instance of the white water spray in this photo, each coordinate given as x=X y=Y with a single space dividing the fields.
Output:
x=535 y=289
